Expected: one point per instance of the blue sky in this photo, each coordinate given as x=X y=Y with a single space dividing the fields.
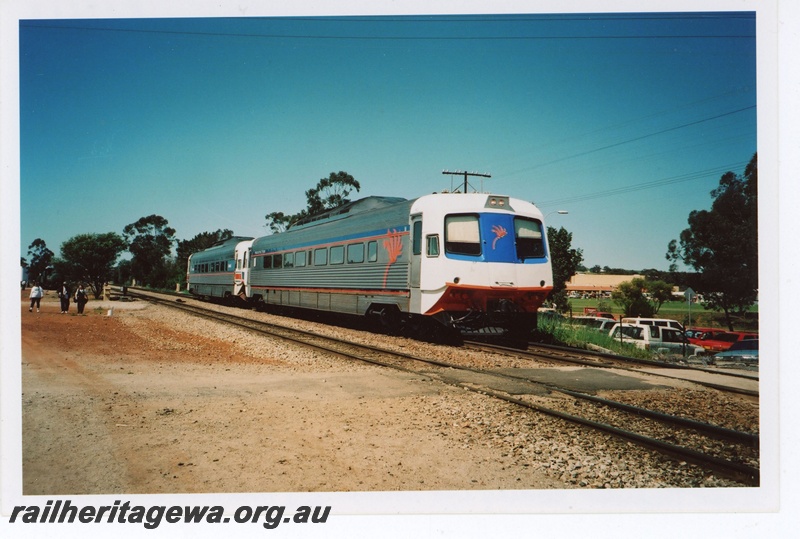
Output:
x=627 y=121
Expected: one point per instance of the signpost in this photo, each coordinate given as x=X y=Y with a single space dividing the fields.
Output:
x=689 y=295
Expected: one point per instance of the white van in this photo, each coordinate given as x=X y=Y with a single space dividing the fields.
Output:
x=655 y=338
x=660 y=322
x=603 y=325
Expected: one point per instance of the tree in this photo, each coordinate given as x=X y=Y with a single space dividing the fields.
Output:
x=90 y=258
x=565 y=261
x=660 y=293
x=150 y=241
x=630 y=296
x=722 y=244
x=329 y=193
x=41 y=260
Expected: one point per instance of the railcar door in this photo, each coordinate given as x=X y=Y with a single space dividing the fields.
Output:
x=416 y=262
x=241 y=277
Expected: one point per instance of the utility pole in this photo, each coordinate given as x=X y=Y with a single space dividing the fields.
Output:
x=466 y=174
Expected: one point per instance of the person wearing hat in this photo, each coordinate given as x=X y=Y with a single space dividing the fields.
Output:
x=63 y=294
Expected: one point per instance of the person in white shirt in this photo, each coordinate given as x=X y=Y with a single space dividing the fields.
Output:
x=36 y=296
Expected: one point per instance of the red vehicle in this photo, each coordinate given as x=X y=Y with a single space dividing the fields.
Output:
x=592 y=311
x=719 y=341
x=696 y=334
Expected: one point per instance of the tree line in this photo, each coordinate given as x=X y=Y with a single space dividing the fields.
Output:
x=720 y=244
x=93 y=258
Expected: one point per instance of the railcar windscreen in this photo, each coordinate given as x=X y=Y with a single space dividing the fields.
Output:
x=462 y=235
x=529 y=237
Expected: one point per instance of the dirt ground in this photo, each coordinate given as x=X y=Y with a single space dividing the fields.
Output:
x=136 y=403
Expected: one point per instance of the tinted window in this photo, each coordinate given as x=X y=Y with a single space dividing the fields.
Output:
x=462 y=235
x=433 y=245
x=416 y=242
x=320 y=257
x=288 y=260
x=529 y=238
x=355 y=253
x=337 y=254
x=627 y=331
x=747 y=344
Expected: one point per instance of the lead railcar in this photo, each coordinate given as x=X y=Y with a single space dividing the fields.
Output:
x=466 y=261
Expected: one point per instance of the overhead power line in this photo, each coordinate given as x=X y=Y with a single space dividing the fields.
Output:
x=641 y=186
x=634 y=139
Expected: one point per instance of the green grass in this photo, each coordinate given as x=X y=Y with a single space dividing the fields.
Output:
x=565 y=334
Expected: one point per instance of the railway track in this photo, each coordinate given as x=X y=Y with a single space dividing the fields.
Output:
x=729 y=453
x=539 y=352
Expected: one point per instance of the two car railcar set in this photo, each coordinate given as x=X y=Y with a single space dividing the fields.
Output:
x=466 y=261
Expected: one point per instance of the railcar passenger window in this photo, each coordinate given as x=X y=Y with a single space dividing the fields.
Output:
x=267 y=262
x=320 y=257
x=372 y=251
x=337 y=254
x=288 y=260
x=433 y=245
x=300 y=259
x=529 y=238
x=277 y=261
x=355 y=253
x=462 y=235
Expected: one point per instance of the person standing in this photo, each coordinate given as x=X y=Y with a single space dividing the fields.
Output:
x=36 y=296
x=81 y=297
x=63 y=294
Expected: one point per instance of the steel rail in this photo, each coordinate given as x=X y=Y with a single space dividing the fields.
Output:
x=634 y=360
x=737 y=471
x=589 y=363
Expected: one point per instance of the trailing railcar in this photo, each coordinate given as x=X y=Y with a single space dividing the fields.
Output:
x=221 y=270
x=464 y=260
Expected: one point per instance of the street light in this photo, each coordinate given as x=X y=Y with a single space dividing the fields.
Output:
x=560 y=212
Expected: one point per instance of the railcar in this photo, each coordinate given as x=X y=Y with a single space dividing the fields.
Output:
x=466 y=261
x=221 y=270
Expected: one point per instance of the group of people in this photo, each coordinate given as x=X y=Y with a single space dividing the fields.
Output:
x=81 y=297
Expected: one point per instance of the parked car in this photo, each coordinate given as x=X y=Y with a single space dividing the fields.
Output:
x=655 y=338
x=661 y=322
x=719 y=341
x=744 y=351
x=695 y=334
x=603 y=325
